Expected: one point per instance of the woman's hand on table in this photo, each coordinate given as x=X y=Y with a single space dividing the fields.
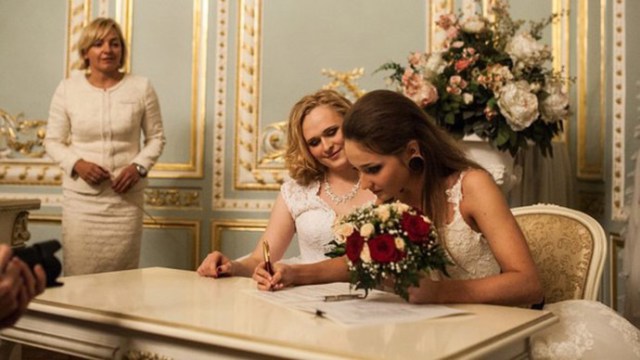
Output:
x=216 y=265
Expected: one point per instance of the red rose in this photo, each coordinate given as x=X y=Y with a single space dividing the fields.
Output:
x=355 y=243
x=417 y=229
x=383 y=249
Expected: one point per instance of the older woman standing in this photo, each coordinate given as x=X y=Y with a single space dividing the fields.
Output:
x=95 y=126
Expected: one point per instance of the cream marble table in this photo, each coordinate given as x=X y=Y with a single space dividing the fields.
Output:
x=159 y=313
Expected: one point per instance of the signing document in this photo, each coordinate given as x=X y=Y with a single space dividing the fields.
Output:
x=339 y=303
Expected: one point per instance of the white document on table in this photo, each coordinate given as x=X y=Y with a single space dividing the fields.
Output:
x=379 y=307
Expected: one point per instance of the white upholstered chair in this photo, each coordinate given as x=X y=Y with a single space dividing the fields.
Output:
x=568 y=247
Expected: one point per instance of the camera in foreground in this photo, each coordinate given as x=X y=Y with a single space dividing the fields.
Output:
x=43 y=253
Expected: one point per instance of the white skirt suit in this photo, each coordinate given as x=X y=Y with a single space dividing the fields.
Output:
x=101 y=230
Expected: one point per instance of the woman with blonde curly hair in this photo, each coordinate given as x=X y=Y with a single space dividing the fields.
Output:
x=323 y=185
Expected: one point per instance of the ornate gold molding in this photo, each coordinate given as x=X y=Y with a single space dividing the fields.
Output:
x=347 y=80
x=172 y=198
x=78 y=15
x=21 y=136
x=219 y=200
x=20 y=233
x=144 y=355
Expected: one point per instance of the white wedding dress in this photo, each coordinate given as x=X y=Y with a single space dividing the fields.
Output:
x=586 y=330
x=313 y=218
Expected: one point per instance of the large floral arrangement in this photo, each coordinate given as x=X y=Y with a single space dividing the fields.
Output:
x=491 y=80
x=389 y=241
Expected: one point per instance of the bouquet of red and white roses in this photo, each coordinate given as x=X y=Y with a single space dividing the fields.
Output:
x=389 y=241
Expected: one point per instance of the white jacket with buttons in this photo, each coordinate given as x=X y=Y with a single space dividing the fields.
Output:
x=104 y=127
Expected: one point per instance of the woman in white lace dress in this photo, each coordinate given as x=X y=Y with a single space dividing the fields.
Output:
x=420 y=165
x=323 y=185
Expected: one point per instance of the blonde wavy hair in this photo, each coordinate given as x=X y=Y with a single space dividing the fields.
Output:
x=97 y=30
x=303 y=167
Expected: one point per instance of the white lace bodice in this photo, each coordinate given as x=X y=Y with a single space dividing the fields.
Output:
x=470 y=251
x=313 y=218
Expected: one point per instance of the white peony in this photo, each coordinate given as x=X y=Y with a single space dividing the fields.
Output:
x=555 y=106
x=518 y=105
x=366 y=230
x=473 y=24
x=526 y=51
x=434 y=65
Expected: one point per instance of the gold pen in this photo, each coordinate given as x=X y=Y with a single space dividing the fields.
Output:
x=267 y=256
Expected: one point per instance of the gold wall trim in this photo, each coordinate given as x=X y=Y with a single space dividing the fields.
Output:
x=619 y=211
x=218 y=226
x=219 y=200
x=194 y=167
x=78 y=15
x=193 y=226
x=173 y=198
x=247 y=175
x=590 y=167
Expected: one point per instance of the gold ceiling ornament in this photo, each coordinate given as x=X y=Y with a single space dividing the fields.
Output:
x=21 y=136
x=346 y=80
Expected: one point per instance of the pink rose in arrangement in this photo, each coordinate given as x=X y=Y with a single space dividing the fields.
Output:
x=475 y=80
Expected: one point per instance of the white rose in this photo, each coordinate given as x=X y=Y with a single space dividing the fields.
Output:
x=525 y=50
x=343 y=231
x=467 y=98
x=399 y=243
x=472 y=24
x=434 y=66
x=555 y=106
x=518 y=105
x=383 y=212
x=400 y=207
x=366 y=230
x=365 y=255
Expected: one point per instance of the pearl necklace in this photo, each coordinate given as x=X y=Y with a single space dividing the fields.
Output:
x=340 y=199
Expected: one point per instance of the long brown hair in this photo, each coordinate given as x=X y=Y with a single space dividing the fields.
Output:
x=385 y=122
x=303 y=167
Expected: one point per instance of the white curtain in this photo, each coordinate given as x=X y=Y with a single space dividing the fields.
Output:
x=631 y=255
x=546 y=180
